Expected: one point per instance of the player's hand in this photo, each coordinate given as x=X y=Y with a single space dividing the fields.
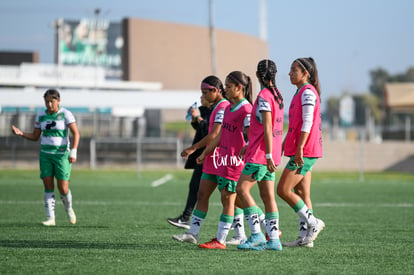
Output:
x=200 y=159
x=72 y=160
x=16 y=131
x=186 y=152
x=271 y=167
x=242 y=152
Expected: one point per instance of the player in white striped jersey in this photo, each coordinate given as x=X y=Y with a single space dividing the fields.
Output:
x=52 y=126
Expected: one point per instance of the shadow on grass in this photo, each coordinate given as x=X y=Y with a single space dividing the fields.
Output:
x=68 y=244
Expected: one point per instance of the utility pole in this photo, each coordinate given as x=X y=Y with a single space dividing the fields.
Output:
x=262 y=20
x=97 y=12
x=212 y=38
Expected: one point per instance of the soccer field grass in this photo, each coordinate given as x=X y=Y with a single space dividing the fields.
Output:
x=122 y=227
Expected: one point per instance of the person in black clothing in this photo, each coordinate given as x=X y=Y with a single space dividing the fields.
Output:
x=200 y=123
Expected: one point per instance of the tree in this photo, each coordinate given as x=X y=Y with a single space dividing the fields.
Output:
x=332 y=109
x=378 y=79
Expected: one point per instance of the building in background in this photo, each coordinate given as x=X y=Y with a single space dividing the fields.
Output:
x=179 y=56
x=11 y=58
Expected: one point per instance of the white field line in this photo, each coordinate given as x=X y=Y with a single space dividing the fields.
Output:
x=162 y=180
x=119 y=202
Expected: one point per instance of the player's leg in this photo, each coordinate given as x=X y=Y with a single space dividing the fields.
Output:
x=47 y=176
x=63 y=172
x=267 y=187
x=207 y=186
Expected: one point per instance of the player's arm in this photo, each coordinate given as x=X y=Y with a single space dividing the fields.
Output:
x=210 y=147
x=75 y=142
x=267 y=123
x=203 y=142
x=34 y=136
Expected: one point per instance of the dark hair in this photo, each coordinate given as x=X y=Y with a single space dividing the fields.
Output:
x=240 y=78
x=214 y=81
x=266 y=73
x=53 y=93
x=309 y=65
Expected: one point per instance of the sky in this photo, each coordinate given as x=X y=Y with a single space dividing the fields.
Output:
x=347 y=39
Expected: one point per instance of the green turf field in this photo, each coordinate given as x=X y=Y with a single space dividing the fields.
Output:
x=122 y=227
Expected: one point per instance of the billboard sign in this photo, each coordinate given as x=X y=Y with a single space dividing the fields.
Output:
x=90 y=42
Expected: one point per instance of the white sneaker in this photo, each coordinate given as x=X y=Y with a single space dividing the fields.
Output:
x=313 y=231
x=236 y=240
x=297 y=243
x=186 y=237
x=49 y=222
x=71 y=215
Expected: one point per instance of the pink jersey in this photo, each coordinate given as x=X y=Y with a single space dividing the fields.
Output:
x=313 y=146
x=227 y=159
x=256 y=151
x=216 y=117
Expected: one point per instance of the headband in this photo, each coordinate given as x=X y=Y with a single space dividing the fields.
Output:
x=302 y=62
x=236 y=79
x=207 y=86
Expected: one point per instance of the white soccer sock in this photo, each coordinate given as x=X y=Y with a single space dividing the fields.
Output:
x=272 y=228
x=254 y=223
x=262 y=220
x=49 y=198
x=223 y=231
x=238 y=226
x=306 y=214
x=303 y=228
x=196 y=223
x=67 y=200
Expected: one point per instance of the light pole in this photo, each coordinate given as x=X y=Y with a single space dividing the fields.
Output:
x=212 y=38
x=95 y=42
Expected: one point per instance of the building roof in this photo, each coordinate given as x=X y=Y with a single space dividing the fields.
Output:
x=399 y=97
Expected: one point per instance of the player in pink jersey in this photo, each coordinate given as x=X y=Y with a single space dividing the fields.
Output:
x=262 y=157
x=227 y=160
x=303 y=145
x=212 y=89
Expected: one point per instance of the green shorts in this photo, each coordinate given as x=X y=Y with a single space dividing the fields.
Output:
x=229 y=185
x=307 y=165
x=210 y=177
x=55 y=165
x=258 y=171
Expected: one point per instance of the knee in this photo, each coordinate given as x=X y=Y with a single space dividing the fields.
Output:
x=299 y=191
x=280 y=191
x=240 y=190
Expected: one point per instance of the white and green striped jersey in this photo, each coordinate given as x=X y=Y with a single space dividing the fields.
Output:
x=55 y=130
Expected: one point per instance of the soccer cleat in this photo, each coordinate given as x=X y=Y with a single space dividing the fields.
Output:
x=179 y=222
x=313 y=231
x=297 y=243
x=280 y=234
x=186 y=237
x=236 y=240
x=213 y=244
x=71 y=215
x=256 y=241
x=273 y=245
x=49 y=222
